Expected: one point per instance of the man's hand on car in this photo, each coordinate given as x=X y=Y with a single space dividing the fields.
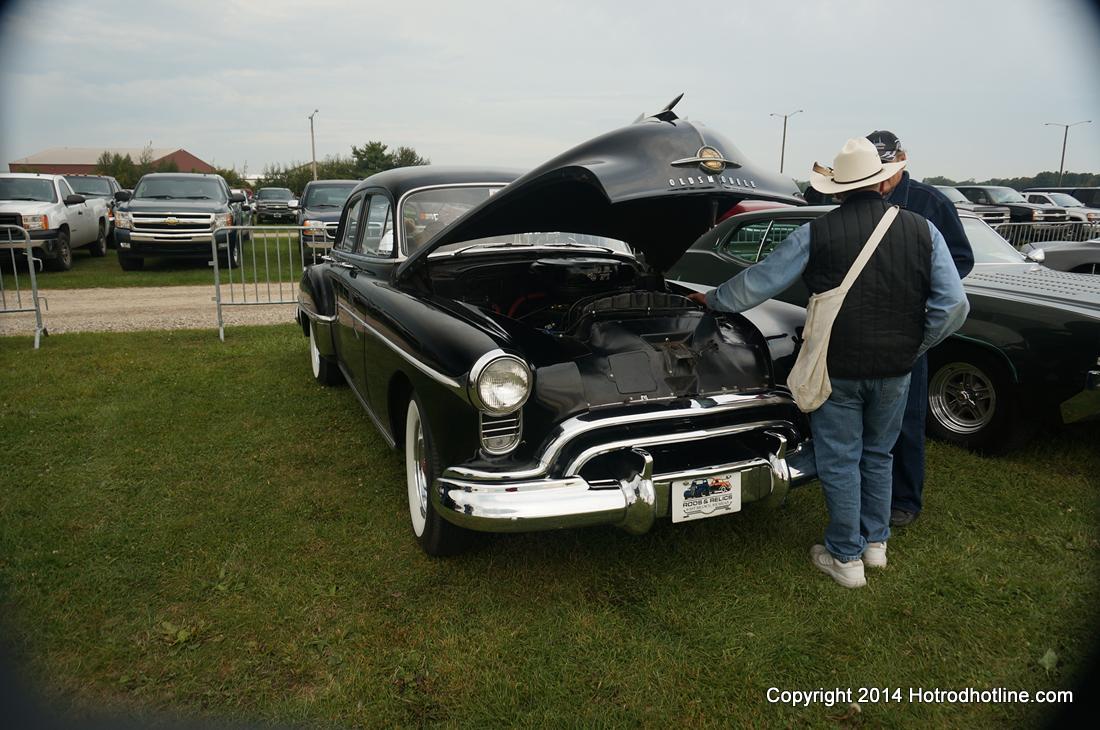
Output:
x=699 y=298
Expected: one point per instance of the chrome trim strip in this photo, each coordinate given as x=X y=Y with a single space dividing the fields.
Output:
x=572 y=428
x=444 y=380
x=325 y=318
x=508 y=425
x=587 y=455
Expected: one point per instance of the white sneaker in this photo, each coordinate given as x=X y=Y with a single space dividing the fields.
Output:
x=849 y=575
x=874 y=555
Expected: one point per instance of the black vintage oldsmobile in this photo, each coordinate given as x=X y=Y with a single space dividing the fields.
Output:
x=516 y=337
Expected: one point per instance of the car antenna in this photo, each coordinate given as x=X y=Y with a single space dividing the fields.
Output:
x=666 y=114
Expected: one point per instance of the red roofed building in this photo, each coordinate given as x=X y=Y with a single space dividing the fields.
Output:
x=78 y=160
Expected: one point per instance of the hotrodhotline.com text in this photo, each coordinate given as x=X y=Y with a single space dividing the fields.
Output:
x=872 y=695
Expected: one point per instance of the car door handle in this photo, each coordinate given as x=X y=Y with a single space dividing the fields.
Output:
x=342 y=265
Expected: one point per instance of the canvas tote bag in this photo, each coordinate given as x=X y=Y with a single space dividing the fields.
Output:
x=809 y=379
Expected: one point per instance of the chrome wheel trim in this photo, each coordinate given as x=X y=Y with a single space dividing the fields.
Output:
x=314 y=354
x=416 y=469
x=962 y=398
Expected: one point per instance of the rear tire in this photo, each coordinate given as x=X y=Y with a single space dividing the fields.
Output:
x=973 y=403
x=437 y=536
x=324 y=368
x=98 y=249
x=130 y=263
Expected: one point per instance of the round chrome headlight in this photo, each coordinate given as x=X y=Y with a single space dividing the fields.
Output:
x=500 y=385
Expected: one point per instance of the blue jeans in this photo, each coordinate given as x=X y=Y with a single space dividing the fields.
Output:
x=909 y=450
x=854 y=432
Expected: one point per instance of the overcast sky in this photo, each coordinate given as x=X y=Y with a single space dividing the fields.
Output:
x=966 y=85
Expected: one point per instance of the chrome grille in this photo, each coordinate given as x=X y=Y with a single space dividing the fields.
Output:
x=171 y=226
x=501 y=434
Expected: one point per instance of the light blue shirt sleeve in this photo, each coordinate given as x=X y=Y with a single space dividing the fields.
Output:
x=760 y=282
x=947 y=306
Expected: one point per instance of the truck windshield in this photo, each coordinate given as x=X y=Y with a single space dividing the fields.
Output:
x=26 y=188
x=194 y=188
x=327 y=196
x=952 y=194
x=1005 y=195
x=274 y=194
x=89 y=185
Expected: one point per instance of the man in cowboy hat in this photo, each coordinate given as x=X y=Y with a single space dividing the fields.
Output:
x=925 y=200
x=907 y=298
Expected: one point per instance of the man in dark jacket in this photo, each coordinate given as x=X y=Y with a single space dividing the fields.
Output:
x=930 y=203
x=907 y=299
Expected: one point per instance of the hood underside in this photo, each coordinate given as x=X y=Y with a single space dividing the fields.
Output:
x=657 y=184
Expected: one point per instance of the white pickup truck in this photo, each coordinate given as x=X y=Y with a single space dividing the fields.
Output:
x=57 y=219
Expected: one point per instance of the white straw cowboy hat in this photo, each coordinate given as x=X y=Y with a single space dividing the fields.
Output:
x=856 y=166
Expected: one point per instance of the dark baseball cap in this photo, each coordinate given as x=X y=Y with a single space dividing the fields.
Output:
x=887 y=144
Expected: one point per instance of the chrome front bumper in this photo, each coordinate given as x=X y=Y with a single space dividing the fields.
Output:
x=531 y=500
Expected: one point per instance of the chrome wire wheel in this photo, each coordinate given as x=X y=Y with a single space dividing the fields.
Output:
x=962 y=398
x=314 y=354
x=416 y=469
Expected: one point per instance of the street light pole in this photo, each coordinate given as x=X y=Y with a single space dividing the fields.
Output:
x=783 y=144
x=313 y=144
x=1065 y=135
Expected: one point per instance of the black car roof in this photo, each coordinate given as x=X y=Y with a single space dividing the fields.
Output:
x=401 y=180
x=331 y=182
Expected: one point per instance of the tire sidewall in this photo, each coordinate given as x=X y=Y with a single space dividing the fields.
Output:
x=1004 y=428
x=64 y=259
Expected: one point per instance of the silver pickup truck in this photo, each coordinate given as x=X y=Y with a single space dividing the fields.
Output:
x=57 y=219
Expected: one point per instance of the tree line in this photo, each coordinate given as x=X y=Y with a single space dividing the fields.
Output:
x=363 y=162
x=1044 y=179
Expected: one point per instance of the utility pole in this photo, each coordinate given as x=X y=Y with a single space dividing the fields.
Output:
x=1065 y=135
x=783 y=144
x=313 y=143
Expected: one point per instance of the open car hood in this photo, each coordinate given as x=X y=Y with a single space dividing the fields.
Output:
x=647 y=184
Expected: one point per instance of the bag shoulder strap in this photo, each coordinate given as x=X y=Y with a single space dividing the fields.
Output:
x=869 y=248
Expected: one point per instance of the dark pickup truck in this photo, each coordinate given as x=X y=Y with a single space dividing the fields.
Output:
x=176 y=215
x=1019 y=209
x=271 y=204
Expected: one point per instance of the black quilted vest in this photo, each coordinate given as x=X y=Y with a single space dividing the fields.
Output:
x=881 y=325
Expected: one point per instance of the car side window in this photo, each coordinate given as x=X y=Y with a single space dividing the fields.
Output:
x=63 y=185
x=777 y=234
x=744 y=242
x=375 y=242
x=351 y=225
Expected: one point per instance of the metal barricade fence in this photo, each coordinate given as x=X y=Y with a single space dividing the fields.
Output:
x=13 y=300
x=262 y=265
x=1021 y=234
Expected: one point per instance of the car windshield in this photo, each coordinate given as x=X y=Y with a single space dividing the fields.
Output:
x=1065 y=200
x=27 y=188
x=89 y=185
x=194 y=188
x=327 y=196
x=426 y=213
x=1005 y=195
x=988 y=245
x=953 y=195
x=274 y=194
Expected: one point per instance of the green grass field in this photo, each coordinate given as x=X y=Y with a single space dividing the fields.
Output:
x=88 y=272
x=195 y=527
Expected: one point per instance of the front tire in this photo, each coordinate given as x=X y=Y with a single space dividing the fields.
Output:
x=972 y=403
x=98 y=249
x=437 y=536
x=325 y=371
x=64 y=259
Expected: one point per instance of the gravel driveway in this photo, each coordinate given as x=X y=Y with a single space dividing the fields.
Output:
x=140 y=308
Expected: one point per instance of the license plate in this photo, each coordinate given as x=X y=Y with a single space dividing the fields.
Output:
x=696 y=499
